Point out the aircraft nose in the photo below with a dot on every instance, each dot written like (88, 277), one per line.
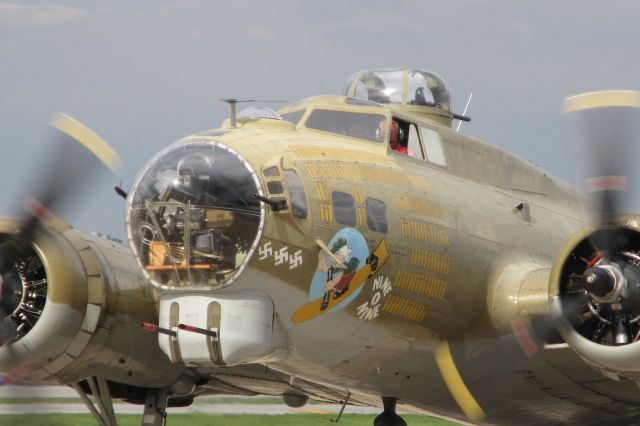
(192, 217)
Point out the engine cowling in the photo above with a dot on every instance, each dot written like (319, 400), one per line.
(594, 294)
(59, 306)
(72, 308)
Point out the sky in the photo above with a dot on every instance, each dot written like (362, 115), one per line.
(143, 74)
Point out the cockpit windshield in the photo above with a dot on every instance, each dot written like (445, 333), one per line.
(353, 124)
(423, 88)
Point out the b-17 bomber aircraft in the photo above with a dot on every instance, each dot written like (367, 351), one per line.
(353, 249)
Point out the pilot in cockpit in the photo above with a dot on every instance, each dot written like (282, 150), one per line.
(396, 141)
(395, 137)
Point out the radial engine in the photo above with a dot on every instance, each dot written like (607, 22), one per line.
(71, 307)
(595, 297)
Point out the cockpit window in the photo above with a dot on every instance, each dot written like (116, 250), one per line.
(293, 117)
(296, 194)
(352, 124)
(433, 145)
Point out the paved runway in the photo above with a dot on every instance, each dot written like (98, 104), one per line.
(208, 406)
(267, 409)
(13, 391)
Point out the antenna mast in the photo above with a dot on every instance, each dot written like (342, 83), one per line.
(465, 111)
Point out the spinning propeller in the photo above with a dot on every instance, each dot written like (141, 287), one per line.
(76, 155)
(600, 284)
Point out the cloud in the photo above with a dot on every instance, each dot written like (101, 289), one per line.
(21, 15)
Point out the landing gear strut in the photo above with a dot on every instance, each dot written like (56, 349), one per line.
(389, 417)
(155, 407)
(99, 387)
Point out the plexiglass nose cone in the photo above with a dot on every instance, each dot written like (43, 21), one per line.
(192, 219)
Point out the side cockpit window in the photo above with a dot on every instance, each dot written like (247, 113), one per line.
(344, 208)
(377, 215)
(433, 145)
(296, 194)
(274, 187)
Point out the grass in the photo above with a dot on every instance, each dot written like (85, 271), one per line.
(213, 420)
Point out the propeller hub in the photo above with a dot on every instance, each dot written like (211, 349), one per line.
(604, 283)
(598, 281)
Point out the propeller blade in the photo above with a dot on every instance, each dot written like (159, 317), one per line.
(606, 122)
(75, 155)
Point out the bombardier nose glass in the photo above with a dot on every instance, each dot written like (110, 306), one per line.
(192, 220)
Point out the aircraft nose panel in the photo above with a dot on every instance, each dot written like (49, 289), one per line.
(192, 219)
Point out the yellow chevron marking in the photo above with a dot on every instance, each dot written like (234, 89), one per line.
(406, 308)
(362, 216)
(338, 154)
(429, 260)
(429, 286)
(424, 231)
(358, 173)
(418, 205)
(357, 194)
(418, 182)
(321, 191)
(326, 213)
